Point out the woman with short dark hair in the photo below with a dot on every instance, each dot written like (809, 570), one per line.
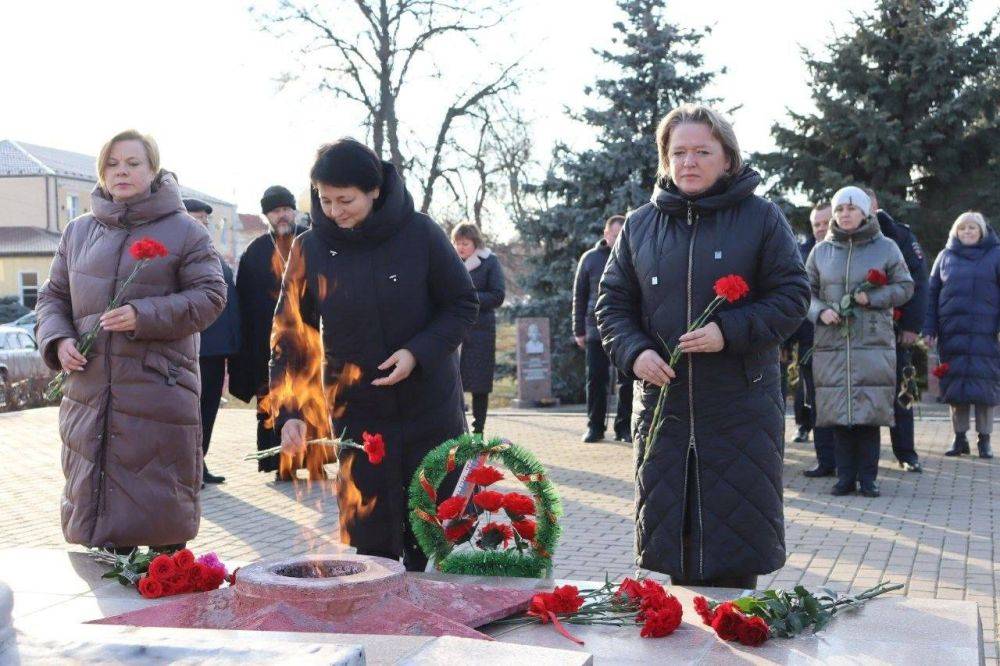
(480, 344)
(393, 302)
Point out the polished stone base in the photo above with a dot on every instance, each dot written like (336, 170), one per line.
(67, 591)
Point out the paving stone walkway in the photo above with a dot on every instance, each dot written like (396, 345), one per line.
(934, 532)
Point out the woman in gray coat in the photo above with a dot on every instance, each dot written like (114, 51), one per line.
(854, 353)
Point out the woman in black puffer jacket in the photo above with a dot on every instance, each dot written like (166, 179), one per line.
(708, 497)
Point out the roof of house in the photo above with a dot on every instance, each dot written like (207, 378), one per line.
(24, 159)
(20, 241)
(251, 222)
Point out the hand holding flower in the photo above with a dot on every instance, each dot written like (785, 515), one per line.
(829, 317)
(69, 358)
(120, 319)
(861, 298)
(650, 367)
(707, 339)
(293, 437)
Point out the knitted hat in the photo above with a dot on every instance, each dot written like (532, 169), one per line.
(852, 195)
(196, 205)
(274, 197)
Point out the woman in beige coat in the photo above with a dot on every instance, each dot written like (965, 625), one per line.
(854, 361)
(129, 418)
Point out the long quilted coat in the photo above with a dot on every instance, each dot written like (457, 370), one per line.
(479, 348)
(964, 313)
(130, 422)
(717, 462)
(855, 375)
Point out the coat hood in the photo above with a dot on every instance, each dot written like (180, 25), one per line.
(974, 251)
(726, 193)
(163, 199)
(392, 210)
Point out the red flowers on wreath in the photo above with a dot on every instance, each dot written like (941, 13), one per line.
(451, 508)
(526, 528)
(458, 531)
(374, 446)
(147, 248)
(517, 505)
(941, 370)
(731, 287)
(494, 534)
(877, 278)
(488, 500)
(484, 476)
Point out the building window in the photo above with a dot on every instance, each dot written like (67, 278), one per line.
(28, 285)
(72, 206)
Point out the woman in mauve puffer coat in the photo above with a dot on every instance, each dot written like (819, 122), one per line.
(854, 364)
(130, 417)
(963, 318)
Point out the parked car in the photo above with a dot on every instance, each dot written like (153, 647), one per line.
(23, 374)
(26, 323)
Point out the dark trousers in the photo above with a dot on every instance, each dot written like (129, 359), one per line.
(598, 377)
(480, 403)
(901, 434)
(824, 441)
(266, 438)
(213, 374)
(857, 451)
(823, 437)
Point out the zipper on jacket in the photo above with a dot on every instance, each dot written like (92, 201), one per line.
(692, 441)
(847, 283)
(101, 452)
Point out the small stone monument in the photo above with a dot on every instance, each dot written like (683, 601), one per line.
(534, 363)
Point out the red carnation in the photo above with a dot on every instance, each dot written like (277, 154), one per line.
(941, 370)
(183, 559)
(629, 588)
(897, 314)
(516, 504)
(541, 605)
(877, 278)
(727, 621)
(704, 609)
(488, 500)
(375, 447)
(526, 528)
(566, 599)
(147, 248)
(150, 588)
(496, 533)
(664, 621)
(458, 530)
(162, 567)
(754, 631)
(450, 508)
(484, 476)
(731, 287)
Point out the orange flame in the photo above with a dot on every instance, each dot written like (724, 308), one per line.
(353, 505)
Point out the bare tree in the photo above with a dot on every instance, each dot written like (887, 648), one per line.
(374, 48)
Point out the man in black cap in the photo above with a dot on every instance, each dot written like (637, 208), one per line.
(258, 282)
(218, 342)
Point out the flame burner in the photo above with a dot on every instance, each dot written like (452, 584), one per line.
(339, 593)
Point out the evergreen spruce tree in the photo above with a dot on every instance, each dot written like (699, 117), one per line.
(660, 67)
(906, 104)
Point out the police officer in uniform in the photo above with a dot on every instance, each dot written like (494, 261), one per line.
(908, 326)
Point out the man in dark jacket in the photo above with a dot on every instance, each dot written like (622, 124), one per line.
(219, 341)
(258, 282)
(587, 338)
(805, 393)
(908, 325)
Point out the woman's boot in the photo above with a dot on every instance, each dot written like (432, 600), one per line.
(984, 446)
(960, 446)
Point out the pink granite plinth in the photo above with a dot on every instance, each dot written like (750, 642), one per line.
(340, 593)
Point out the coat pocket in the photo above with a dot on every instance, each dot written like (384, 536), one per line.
(172, 371)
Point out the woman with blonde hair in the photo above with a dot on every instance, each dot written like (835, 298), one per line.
(478, 351)
(963, 319)
(708, 498)
(130, 416)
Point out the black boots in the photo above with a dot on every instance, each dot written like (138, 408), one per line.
(802, 436)
(592, 435)
(984, 446)
(818, 472)
(959, 447)
(208, 477)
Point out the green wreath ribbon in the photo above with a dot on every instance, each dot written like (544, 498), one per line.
(536, 562)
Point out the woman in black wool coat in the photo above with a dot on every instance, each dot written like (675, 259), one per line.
(479, 348)
(708, 497)
(391, 297)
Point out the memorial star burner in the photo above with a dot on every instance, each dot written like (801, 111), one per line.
(336, 593)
